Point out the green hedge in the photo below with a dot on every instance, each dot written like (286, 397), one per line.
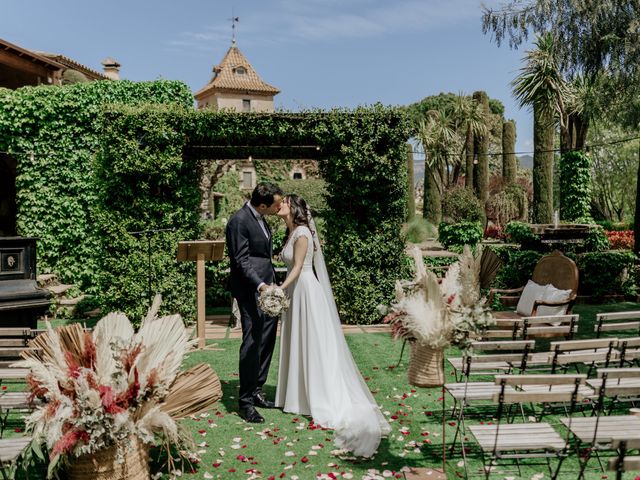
(53, 132)
(601, 273)
(456, 235)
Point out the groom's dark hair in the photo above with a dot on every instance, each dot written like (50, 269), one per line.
(264, 193)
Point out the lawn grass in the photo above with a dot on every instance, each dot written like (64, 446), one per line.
(286, 447)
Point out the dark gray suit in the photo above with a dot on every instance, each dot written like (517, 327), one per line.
(250, 253)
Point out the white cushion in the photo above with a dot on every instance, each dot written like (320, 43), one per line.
(532, 292)
(553, 294)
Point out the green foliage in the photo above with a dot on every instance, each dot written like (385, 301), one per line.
(519, 232)
(438, 264)
(606, 273)
(313, 190)
(575, 187)
(596, 240)
(507, 205)
(419, 229)
(459, 234)
(145, 185)
(54, 135)
(517, 269)
(461, 205)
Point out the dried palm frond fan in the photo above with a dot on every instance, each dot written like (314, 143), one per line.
(192, 392)
(489, 266)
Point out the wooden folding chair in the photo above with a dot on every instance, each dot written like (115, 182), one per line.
(514, 354)
(517, 441)
(617, 322)
(597, 432)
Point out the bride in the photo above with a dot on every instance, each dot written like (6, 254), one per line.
(317, 375)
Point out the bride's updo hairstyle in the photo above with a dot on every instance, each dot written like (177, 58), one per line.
(299, 211)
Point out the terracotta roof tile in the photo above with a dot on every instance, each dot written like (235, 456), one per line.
(226, 77)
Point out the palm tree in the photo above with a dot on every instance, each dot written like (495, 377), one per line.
(541, 86)
(471, 121)
(438, 137)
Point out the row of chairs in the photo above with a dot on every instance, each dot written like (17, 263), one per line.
(508, 439)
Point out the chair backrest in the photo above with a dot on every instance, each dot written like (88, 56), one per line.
(558, 270)
(550, 326)
(617, 322)
(550, 395)
(618, 382)
(511, 351)
(597, 350)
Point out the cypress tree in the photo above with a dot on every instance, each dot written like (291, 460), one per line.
(509, 159)
(481, 150)
(411, 194)
(543, 136)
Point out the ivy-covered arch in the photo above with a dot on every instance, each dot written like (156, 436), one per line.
(362, 158)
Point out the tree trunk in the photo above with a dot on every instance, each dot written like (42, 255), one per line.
(509, 159)
(411, 194)
(432, 208)
(543, 135)
(481, 147)
(468, 146)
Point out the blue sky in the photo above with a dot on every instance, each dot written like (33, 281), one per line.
(319, 53)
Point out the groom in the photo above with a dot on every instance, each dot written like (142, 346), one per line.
(250, 249)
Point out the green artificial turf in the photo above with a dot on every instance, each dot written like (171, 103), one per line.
(287, 447)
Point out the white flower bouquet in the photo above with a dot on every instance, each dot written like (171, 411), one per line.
(273, 301)
(114, 387)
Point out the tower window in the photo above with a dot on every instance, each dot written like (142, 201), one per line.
(246, 105)
(297, 175)
(240, 71)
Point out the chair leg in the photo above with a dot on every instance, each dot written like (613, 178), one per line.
(557, 472)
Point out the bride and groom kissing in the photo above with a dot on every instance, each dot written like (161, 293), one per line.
(317, 375)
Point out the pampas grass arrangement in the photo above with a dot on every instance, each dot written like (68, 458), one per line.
(437, 313)
(114, 387)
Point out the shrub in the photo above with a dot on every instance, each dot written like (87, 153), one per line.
(461, 205)
(519, 232)
(459, 234)
(607, 273)
(494, 231)
(437, 264)
(518, 266)
(596, 240)
(419, 229)
(508, 205)
(621, 240)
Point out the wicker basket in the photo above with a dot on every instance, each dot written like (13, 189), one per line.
(103, 465)
(426, 367)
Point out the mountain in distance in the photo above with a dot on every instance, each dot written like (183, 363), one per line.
(524, 161)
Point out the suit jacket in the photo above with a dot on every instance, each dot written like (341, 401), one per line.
(250, 252)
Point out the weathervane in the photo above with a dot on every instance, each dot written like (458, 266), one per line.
(234, 20)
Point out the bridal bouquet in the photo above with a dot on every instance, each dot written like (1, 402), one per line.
(273, 301)
(438, 313)
(114, 388)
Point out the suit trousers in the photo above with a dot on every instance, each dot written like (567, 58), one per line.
(256, 351)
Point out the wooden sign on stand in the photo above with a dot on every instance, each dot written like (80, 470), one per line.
(200, 251)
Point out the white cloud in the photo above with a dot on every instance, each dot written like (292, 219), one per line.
(295, 20)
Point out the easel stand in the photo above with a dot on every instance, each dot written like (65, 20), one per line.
(200, 251)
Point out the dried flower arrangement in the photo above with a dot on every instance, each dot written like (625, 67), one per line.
(438, 313)
(114, 387)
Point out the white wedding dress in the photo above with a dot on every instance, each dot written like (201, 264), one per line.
(317, 375)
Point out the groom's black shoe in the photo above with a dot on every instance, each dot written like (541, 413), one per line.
(250, 414)
(259, 400)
